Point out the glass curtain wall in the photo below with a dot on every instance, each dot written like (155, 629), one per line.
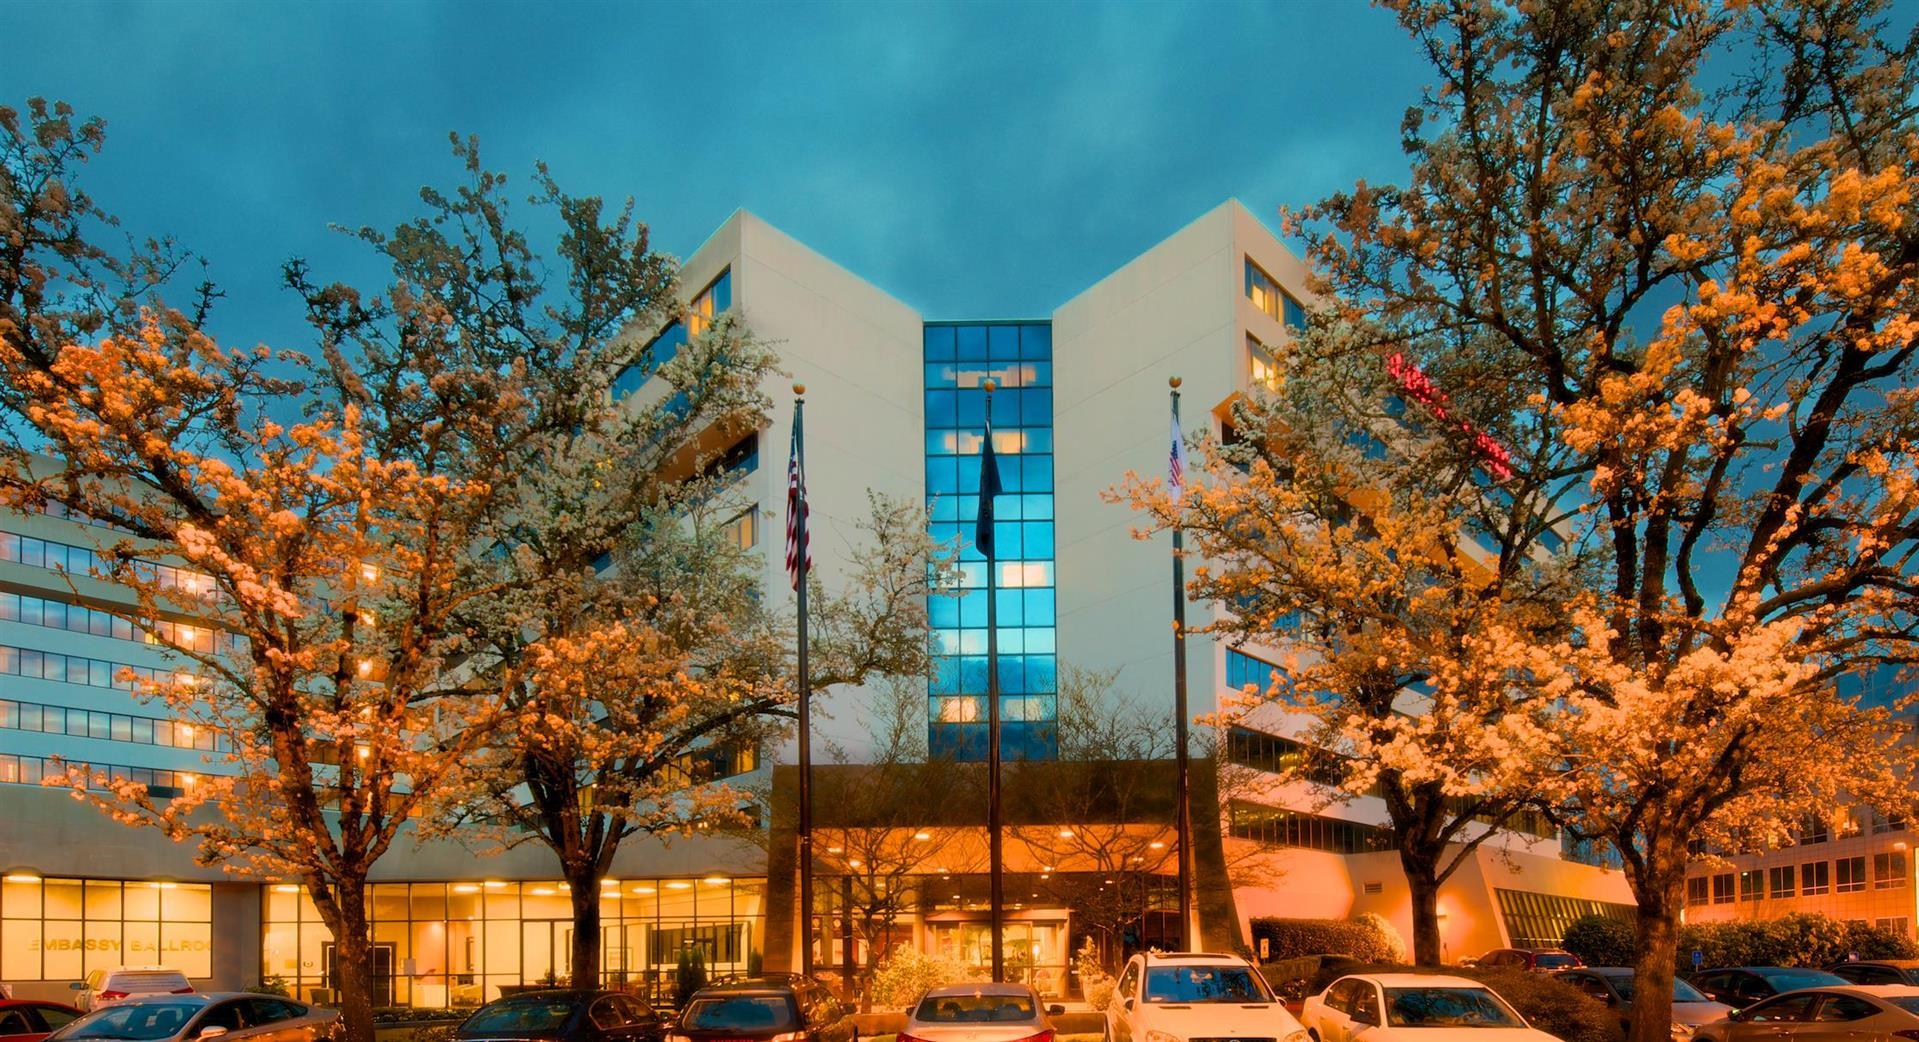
(455, 944)
(64, 929)
(959, 357)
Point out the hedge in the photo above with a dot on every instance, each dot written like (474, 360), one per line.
(1801, 939)
(1292, 938)
(1600, 940)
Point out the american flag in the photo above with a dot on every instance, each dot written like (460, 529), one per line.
(798, 547)
(1176, 464)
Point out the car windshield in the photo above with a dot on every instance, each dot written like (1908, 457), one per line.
(1205, 984)
(975, 1009)
(542, 1016)
(138, 1021)
(1554, 962)
(1681, 991)
(1447, 1008)
(1793, 980)
(738, 1013)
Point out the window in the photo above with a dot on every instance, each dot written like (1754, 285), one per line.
(1696, 890)
(1852, 875)
(1897, 924)
(1881, 823)
(1889, 870)
(1536, 920)
(1815, 831)
(1845, 1008)
(66, 929)
(743, 530)
(1752, 885)
(715, 299)
(1814, 877)
(1782, 881)
(1266, 295)
(1265, 371)
(1722, 889)
(1285, 828)
(1243, 670)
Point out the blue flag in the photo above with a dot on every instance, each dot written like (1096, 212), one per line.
(989, 487)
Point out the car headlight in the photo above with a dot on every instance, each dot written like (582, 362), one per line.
(1163, 1036)
(1682, 1032)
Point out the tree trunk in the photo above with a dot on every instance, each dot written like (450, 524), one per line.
(586, 928)
(1422, 881)
(342, 907)
(1660, 893)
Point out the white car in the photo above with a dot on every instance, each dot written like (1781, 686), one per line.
(103, 988)
(1183, 996)
(1413, 1007)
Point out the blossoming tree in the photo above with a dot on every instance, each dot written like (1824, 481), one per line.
(1698, 301)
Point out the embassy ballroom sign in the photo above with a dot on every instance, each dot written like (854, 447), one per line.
(172, 945)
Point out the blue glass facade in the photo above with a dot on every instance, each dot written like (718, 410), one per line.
(715, 299)
(1018, 356)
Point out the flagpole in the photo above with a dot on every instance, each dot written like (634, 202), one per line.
(797, 522)
(1182, 796)
(997, 884)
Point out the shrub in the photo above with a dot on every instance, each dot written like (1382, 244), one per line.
(1600, 940)
(1550, 1004)
(1095, 984)
(1396, 950)
(690, 978)
(905, 972)
(1292, 938)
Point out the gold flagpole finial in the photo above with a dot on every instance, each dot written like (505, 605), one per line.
(1173, 382)
(799, 388)
(989, 385)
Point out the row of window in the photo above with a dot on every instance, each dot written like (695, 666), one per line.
(1035, 506)
(31, 770)
(76, 669)
(81, 560)
(61, 929)
(1277, 826)
(714, 300)
(959, 475)
(1015, 606)
(1005, 375)
(1536, 920)
(59, 615)
(1264, 291)
(989, 343)
(114, 727)
(1005, 442)
(1843, 876)
(1012, 541)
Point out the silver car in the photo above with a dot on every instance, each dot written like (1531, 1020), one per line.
(229, 1016)
(979, 1013)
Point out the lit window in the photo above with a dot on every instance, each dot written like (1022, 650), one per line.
(743, 531)
(959, 710)
(1265, 370)
(1266, 295)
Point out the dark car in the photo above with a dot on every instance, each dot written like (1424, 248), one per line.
(1613, 985)
(1741, 986)
(30, 1020)
(565, 1015)
(1538, 960)
(789, 1009)
(1878, 971)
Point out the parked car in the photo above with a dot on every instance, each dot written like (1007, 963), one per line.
(1293, 979)
(1613, 985)
(1854, 1011)
(1413, 1007)
(1538, 960)
(1878, 971)
(980, 1013)
(1741, 986)
(791, 1009)
(565, 1015)
(180, 1018)
(106, 987)
(27, 1020)
(1180, 996)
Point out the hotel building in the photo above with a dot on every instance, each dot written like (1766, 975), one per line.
(896, 405)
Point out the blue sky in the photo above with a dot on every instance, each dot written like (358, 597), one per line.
(977, 160)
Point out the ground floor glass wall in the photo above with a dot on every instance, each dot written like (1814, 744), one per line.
(454, 944)
(64, 929)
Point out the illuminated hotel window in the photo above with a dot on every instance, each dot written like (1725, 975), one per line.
(1265, 371)
(1266, 295)
(463, 943)
(1018, 356)
(63, 929)
(714, 300)
(743, 531)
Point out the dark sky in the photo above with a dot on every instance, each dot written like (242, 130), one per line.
(977, 160)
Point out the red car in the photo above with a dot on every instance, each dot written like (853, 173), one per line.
(30, 1020)
(1537, 960)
